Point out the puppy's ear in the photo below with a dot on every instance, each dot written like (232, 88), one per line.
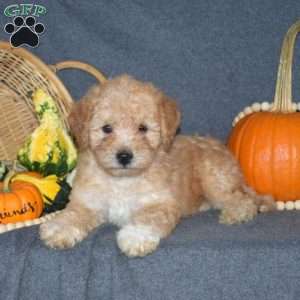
(170, 120)
(80, 116)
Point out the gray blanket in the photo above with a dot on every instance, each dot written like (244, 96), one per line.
(214, 57)
(201, 260)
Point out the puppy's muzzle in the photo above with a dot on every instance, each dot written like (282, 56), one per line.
(124, 157)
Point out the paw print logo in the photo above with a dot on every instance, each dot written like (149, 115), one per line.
(24, 32)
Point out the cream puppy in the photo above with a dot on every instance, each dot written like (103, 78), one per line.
(133, 171)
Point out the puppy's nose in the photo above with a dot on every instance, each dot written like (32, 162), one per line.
(124, 157)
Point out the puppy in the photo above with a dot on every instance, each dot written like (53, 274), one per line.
(134, 172)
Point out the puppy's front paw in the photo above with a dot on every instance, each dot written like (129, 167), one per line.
(59, 235)
(137, 240)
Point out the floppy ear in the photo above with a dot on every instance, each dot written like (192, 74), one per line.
(80, 116)
(170, 120)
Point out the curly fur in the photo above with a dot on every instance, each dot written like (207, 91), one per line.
(169, 177)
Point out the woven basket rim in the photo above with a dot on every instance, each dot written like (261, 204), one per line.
(43, 67)
(28, 223)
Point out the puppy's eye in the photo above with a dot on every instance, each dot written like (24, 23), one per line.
(107, 129)
(143, 128)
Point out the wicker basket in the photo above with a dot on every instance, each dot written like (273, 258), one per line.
(21, 73)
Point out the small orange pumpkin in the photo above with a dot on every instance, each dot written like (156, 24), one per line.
(267, 142)
(19, 201)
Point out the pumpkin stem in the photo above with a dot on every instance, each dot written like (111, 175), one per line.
(283, 94)
(8, 177)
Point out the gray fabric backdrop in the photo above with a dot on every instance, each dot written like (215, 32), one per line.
(214, 57)
(202, 260)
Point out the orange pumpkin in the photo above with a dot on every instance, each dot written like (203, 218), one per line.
(267, 143)
(19, 201)
(267, 146)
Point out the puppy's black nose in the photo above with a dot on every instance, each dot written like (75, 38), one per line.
(124, 157)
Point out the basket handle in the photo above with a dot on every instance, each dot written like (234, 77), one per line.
(283, 101)
(74, 64)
